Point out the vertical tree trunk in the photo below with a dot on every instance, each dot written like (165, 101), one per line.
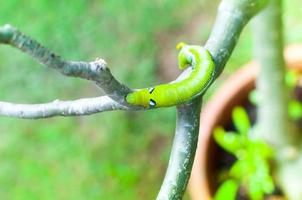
(273, 121)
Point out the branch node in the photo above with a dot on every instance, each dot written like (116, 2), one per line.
(6, 33)
(98, 66)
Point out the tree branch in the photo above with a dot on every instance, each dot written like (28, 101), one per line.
(231, 18)
(183, 151)
(86, 106)
(273, 123)
(96, 71)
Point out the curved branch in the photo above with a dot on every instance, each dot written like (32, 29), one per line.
(86, 106)
(96, 71)
(231, 18)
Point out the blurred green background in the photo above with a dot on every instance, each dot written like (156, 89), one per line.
(114, 155)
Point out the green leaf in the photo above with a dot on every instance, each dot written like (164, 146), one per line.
(259, 184)
(295, 110)
(227, 191)
(241, 120)
(260, 149)
(240, 169)
(291, 78)
(254, 191)
(229, 141)
(253, 171)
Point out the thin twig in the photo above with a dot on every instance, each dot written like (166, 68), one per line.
(86, 106)
(96, 71)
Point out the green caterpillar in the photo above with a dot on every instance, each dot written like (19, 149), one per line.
(179, 92)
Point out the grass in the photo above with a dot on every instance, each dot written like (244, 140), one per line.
(115, 155)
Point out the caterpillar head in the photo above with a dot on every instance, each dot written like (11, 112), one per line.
(184, 56)
(142, 97)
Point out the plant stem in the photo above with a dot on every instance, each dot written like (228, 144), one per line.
(183, 151)
(273, 96)
(273, 120)
(231, 18)
(96, 71)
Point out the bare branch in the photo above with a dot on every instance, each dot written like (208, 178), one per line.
(86, 106)
(96, 71)
(183, 151)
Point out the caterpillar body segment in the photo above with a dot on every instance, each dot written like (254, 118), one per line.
(165, 95)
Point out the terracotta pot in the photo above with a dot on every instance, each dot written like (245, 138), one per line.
(218, 112)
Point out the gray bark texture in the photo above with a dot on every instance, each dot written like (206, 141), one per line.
(273, 124)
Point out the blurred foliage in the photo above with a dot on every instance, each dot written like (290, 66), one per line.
(115, 155)
(227, 190)
(293, 84)
(251, 170)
